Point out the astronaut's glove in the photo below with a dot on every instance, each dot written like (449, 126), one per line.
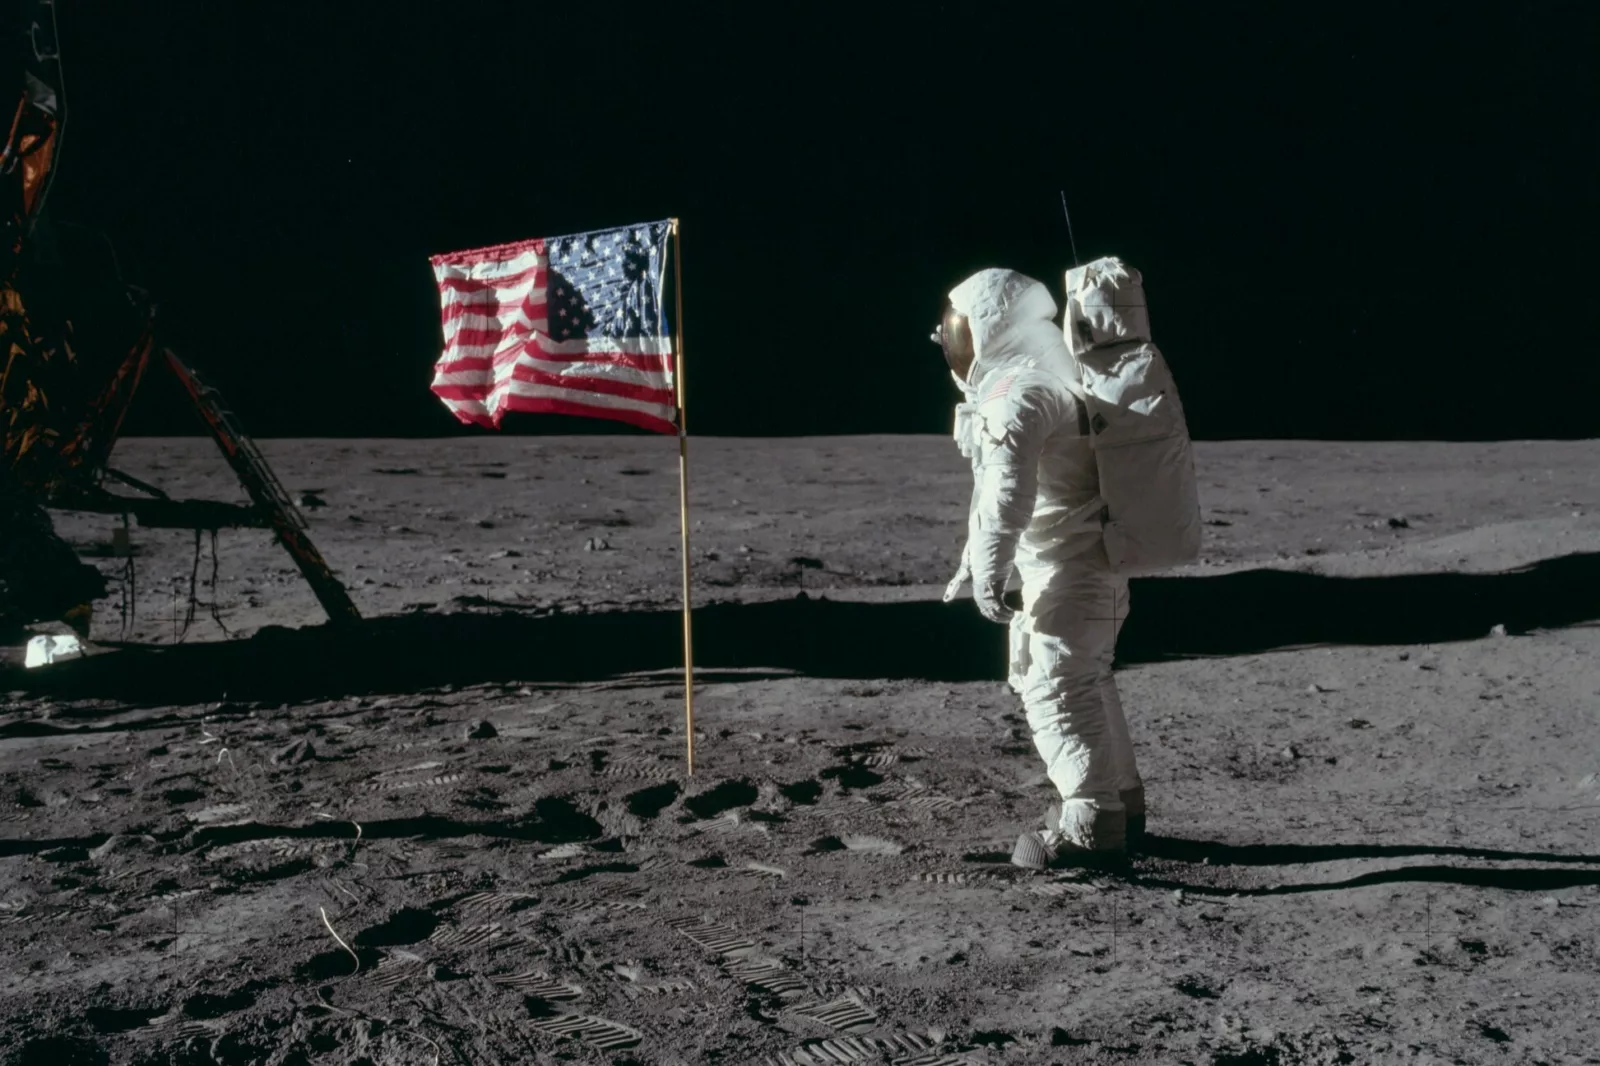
(963, 575)
(989, 594)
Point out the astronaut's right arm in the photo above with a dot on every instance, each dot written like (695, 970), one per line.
(1012, 428)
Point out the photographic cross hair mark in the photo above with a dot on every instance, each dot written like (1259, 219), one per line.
(1427, 909)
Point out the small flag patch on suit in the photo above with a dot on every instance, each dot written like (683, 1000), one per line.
(1000, 388)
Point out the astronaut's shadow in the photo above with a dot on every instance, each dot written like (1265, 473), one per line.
(1520, 879)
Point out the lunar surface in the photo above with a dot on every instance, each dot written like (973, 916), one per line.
(463, 832)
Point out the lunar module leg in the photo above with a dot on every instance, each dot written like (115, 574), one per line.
(267, 494)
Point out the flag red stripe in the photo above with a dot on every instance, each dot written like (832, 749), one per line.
(461, 364)
(467, 409)
(626, 389)
(478, 393)
(475, 286)
(531, 307)
(467, 364)
(660, 364)
(473, 338)
(475, 418)
(497, 251)
(544, 405)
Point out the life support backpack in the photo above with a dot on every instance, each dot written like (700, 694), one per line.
(1151, 513)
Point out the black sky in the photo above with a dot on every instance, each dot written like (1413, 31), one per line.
(1354, 220)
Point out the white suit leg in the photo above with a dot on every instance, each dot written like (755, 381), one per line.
(1127, 769)
(1070, 695)
(1129, 783)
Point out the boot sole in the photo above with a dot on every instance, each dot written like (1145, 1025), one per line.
(1030, 853)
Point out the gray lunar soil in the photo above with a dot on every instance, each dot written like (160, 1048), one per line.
(462, 832)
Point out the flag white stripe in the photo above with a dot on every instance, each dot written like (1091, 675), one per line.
(488, 270)
(453, 328)
(630, 346)
(595, 346)
(529, 390)
(608, 371)
(528, 286)
(576, 373)
(468, 407)
(501, 344)
(464, 378)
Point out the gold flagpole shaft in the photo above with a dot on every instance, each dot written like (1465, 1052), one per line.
(683, 494)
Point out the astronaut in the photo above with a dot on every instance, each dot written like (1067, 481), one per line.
(1035, 522)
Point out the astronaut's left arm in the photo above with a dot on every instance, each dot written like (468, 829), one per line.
(1011, 431)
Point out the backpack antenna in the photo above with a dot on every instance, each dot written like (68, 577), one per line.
(1070, 237)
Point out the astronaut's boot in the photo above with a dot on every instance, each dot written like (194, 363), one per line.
(1077, 834)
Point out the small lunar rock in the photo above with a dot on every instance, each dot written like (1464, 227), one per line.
(1290, 753)
(113, 845)
(295, 754)
(872, 845)
(1498, 631)
(1314, 688)
(484, 523)
(596, 544)
(1360, 723)
(1399, 522)
(310, 499)
(222, 814)
(481, 730)
(508, 553)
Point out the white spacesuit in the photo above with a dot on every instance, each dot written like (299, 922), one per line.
(1036, 512)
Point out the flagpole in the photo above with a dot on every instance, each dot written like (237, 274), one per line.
(683, 494)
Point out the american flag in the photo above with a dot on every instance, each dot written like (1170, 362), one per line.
(569, 325)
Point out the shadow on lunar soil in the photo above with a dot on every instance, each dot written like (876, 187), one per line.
(1172, 618)
(1519, 880)
(561, 824)
(1219, 854)
(552, 820)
